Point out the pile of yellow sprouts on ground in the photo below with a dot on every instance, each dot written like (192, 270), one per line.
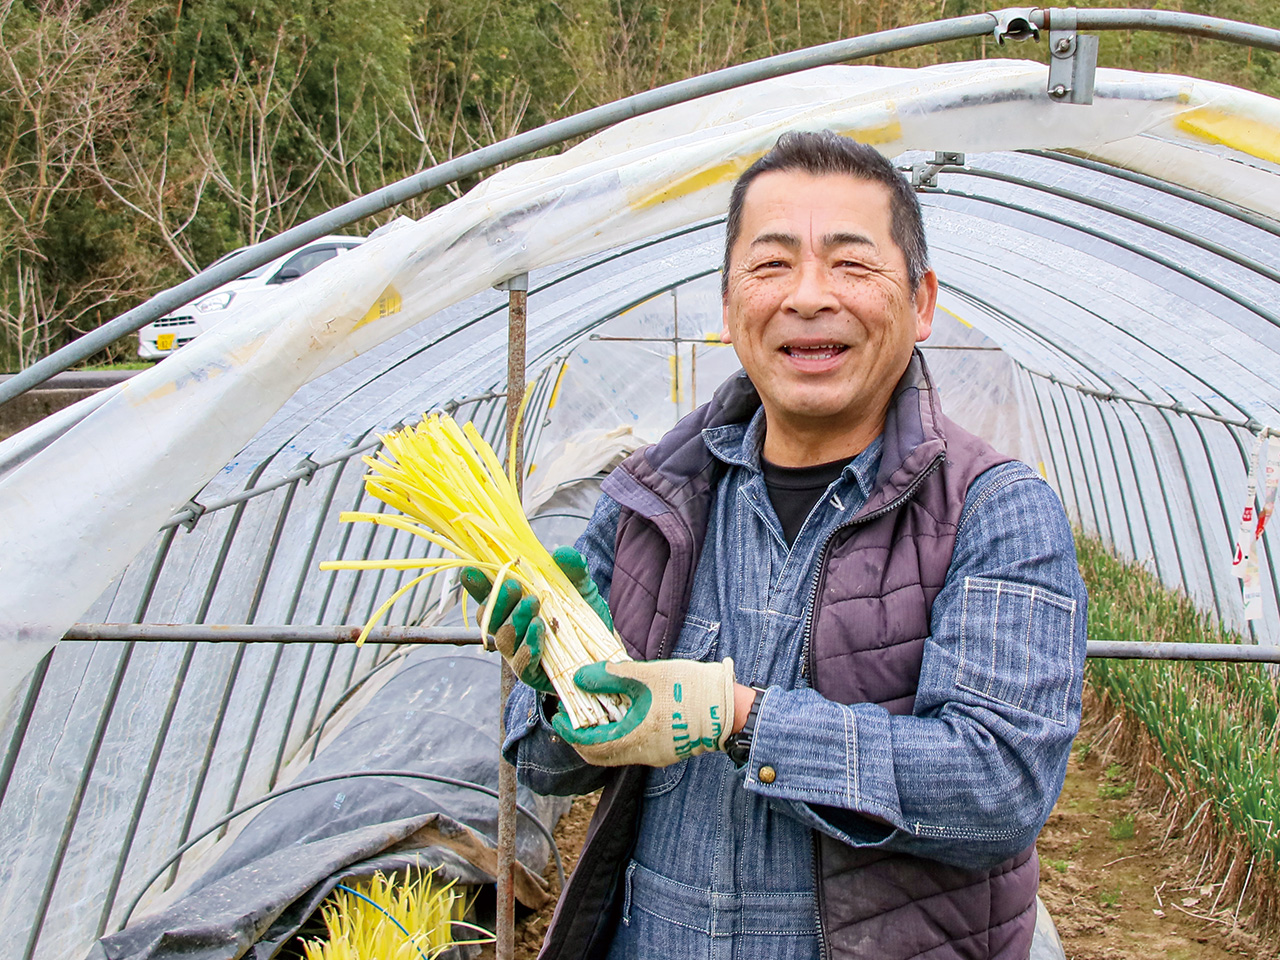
(387, 920)
(452, 491)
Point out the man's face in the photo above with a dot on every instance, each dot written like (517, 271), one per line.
(819, 307)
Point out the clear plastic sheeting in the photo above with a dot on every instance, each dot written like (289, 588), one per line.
(1106, 314)
(249, 893)
(641, 178)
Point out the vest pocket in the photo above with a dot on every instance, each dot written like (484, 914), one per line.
(1017, 646)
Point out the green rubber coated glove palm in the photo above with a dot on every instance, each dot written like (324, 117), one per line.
(517, 630)
(574, 566)
(679, 709)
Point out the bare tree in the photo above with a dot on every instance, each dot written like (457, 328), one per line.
(239, 138)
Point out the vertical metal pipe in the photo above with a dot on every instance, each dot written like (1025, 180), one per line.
(675, 350)
(506, 916)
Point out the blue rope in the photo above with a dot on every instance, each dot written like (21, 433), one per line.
(407, 934)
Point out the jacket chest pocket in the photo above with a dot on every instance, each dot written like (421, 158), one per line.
(1017, 646)
(699, 640)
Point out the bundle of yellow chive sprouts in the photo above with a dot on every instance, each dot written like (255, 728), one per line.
(387, 920)
(453, 492)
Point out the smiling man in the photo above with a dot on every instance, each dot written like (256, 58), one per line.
(858, 630)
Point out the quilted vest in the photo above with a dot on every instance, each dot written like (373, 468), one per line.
(880, 573)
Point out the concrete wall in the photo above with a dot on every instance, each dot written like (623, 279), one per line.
(51, 396)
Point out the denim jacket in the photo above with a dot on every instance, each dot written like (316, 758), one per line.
(967, 779)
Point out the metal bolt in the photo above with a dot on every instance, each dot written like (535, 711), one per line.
(1063, 45)
(1059, 91)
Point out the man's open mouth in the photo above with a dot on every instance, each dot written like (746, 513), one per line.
(823, 351)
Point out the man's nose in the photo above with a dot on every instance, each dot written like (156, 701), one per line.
(812, 293)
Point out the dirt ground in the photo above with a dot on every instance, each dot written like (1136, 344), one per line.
(1115, 888)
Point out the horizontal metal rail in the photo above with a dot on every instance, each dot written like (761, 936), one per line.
(462, 636)
(1151, 650)
(189, 514)
(1251, 424)
(263, 633)
(597, 118)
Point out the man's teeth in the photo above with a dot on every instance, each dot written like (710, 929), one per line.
(823, 351)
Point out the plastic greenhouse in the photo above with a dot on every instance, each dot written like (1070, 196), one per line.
(1110, 313)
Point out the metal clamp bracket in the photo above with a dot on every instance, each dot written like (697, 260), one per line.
(1073, 59)
(194, 511)
(1015, 23)
(519, 282)
(926, 174)
(306, 469)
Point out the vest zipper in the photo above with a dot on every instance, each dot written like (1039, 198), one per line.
(806, 668)
(823, 951)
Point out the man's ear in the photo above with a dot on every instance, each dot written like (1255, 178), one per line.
(925, 301)
(725, 336)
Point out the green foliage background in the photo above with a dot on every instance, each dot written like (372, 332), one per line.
(144, 141)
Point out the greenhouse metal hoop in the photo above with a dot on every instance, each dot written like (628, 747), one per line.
(1013, 23)
(408, 774)
(557, 132)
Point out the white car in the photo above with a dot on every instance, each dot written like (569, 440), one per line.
(174, 330)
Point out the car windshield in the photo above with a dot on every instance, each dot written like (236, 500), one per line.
(304, 262)
(255, 272)
(308, 259)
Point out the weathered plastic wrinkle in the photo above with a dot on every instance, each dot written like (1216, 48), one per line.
(1163, 261)
(1173, 189)
(23, 720)
(60, 852)
(144, 789)
(1249, 263)
(302, 784)
(1067, 352)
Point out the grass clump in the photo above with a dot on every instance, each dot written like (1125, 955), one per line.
(1204, 736)
(1122, 829)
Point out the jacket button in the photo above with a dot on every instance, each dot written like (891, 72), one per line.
(767, 775)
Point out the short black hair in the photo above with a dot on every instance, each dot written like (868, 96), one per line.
(825, 152)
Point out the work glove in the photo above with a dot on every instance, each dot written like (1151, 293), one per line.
(679, 709)
(517, 630)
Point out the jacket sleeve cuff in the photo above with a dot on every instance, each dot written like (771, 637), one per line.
(843, 759)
